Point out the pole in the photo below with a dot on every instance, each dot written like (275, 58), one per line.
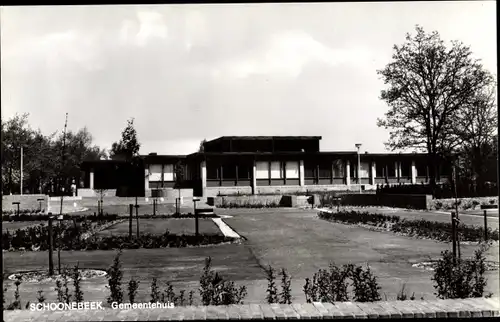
(21, 188)
(51, 262)
(485, 227)
(456, 208)
(131, 211)
(453, 236)
(137, 216)
(359, 171)
(195, 219)
(59, 249)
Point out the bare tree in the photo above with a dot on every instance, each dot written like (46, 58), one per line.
(428, 84)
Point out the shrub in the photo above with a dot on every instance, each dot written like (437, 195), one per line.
(461, 279)
(216, 290)
(40, 296)
(286, 290)
(332, 285)
(133, 285)
(328, 285)
(77, 278)
(16, 305)
(272, 290)
(180, 300)
(191, 294)
(115, 275)
(155, 291)
(366, 288)
(168, 295)
(441, 231)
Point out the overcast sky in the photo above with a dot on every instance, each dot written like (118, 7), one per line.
(188, 72)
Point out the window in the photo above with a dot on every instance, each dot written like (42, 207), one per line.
(212, 171)
(421, 169)
(364, 169)
(155, 172)
(292, 169)
(229, 171)
(405, 168)
(276, 170)
(309, 170)
(325, 170)
(168, 172)
(244, 171)
(391, 169)
(380, 169)
(262, 169)
(338, 168)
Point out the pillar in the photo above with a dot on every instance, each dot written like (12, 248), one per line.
(146, 179)
(413, 172)
(254, 179)
(348, 173)
(396, 168)
(373, 172)
(91, 179)
(301, 173)
(203, 172)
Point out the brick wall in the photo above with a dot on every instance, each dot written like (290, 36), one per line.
(389, 200)
(477, 307)
(27, 202)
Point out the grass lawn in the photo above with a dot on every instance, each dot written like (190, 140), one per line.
(164, 208)
(176, 226)
(294, 239)
(181, 266)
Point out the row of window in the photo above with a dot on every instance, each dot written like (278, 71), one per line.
(290, 170)
(155, 172)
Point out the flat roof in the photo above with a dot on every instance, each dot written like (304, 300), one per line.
(223, 138)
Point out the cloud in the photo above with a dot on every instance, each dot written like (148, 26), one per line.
(196, 29)
(55, 49)
(287, 54)
(147, 25)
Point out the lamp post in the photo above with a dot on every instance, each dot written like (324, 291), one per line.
(21, 182)
(358, 145)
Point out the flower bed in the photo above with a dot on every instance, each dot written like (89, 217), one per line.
(150, 241)
(44, 277)
(84, 238)
(420, 228)
(169, 216)
(65, 232)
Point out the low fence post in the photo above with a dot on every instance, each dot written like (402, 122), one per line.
(485, 226)
(131, 211)
(51, 260)
(453, 236)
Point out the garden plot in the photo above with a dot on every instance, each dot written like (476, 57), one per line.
(177, 226)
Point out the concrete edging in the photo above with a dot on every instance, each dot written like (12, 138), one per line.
(474, 307)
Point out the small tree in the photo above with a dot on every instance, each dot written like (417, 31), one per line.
(101, 193)
(115, 275)
(133, 285)
(201, 149)
(128, 146)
